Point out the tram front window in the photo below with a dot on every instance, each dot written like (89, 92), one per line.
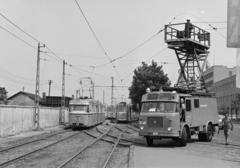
(80, 108)
(162, 107)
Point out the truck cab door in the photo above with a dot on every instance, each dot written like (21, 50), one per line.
(189, 111)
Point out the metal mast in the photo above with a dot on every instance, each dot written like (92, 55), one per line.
(191, 45)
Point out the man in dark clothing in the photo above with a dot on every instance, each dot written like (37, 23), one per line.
(188, 29)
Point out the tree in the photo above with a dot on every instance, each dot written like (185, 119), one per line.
(147, 76)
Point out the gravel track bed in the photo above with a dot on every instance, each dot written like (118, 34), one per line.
(18, 141)
(54, 155)
(119, 158)
(93, 157)
(13, 153)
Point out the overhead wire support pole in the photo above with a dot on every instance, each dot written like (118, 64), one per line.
(36, 111)
(62, 110)
(49, 88)
(112, 90)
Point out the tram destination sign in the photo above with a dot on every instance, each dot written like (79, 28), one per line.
(233, 24)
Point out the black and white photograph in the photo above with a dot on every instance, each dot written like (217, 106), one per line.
(119, 83)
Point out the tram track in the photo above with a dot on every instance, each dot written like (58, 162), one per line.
(29, 142)
(122, 139)
(83, 149)
(112, 151)
(81, 156)
(11, 161)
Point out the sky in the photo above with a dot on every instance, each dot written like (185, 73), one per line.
(120, 26)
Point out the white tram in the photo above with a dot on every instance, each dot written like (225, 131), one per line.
(85, 113)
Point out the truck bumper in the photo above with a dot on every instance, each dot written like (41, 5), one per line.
(158, 134)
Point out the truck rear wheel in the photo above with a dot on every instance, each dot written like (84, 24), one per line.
(184, 137)
(149, 141)
(206, 137)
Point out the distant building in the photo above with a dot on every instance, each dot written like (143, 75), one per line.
(55, 101)
(217, 73)
(23, 99)
(3, 95)
(228, 96)
(28, 99)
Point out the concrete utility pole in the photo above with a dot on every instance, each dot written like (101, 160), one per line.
(49, 88)
(103, 96)
(63, 95)
(76, 94)
(36, 111)
(112, 90)
(92, 89)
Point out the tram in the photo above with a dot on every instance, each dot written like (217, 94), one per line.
(85, 113)
(111, 112)
(125, 113)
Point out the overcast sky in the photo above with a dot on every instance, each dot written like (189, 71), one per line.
(120, 26)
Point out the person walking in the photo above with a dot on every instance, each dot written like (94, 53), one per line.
(227, 125)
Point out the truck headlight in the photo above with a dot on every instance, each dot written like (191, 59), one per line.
(141, 128)
(169, 128)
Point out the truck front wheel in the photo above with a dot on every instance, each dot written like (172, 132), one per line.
(149, 141)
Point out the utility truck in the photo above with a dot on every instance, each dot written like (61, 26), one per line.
(178, 114)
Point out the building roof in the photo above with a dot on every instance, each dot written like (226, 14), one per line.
(30, 95)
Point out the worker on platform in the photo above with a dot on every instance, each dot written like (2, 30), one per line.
(188, 29)
(227, 125)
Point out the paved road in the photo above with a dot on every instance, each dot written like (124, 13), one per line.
(195, 155)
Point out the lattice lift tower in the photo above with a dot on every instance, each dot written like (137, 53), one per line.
(191, 45)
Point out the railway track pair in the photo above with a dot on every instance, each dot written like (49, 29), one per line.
(97, 139)
(11, 161)
(4, 149)
(116, 141)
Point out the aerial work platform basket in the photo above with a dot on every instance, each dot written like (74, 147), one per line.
(191, 45)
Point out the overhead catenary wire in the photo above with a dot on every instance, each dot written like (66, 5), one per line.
(17, 37)
(29, 35)
(91, 29)
(209, 24)
(97, 39)
(137, 46)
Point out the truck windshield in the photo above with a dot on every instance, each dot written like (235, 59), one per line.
(79, 108)
(163, 107)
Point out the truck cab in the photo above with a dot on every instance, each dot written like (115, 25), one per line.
(168, 114)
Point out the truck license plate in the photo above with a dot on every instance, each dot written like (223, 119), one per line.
(155, 133)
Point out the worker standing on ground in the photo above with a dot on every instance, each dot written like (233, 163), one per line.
(227, 125)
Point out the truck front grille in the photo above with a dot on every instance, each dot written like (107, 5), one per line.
(155, 122)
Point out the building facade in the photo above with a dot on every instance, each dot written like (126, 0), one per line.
(23, 99)
(217, 73)
(228, 96)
